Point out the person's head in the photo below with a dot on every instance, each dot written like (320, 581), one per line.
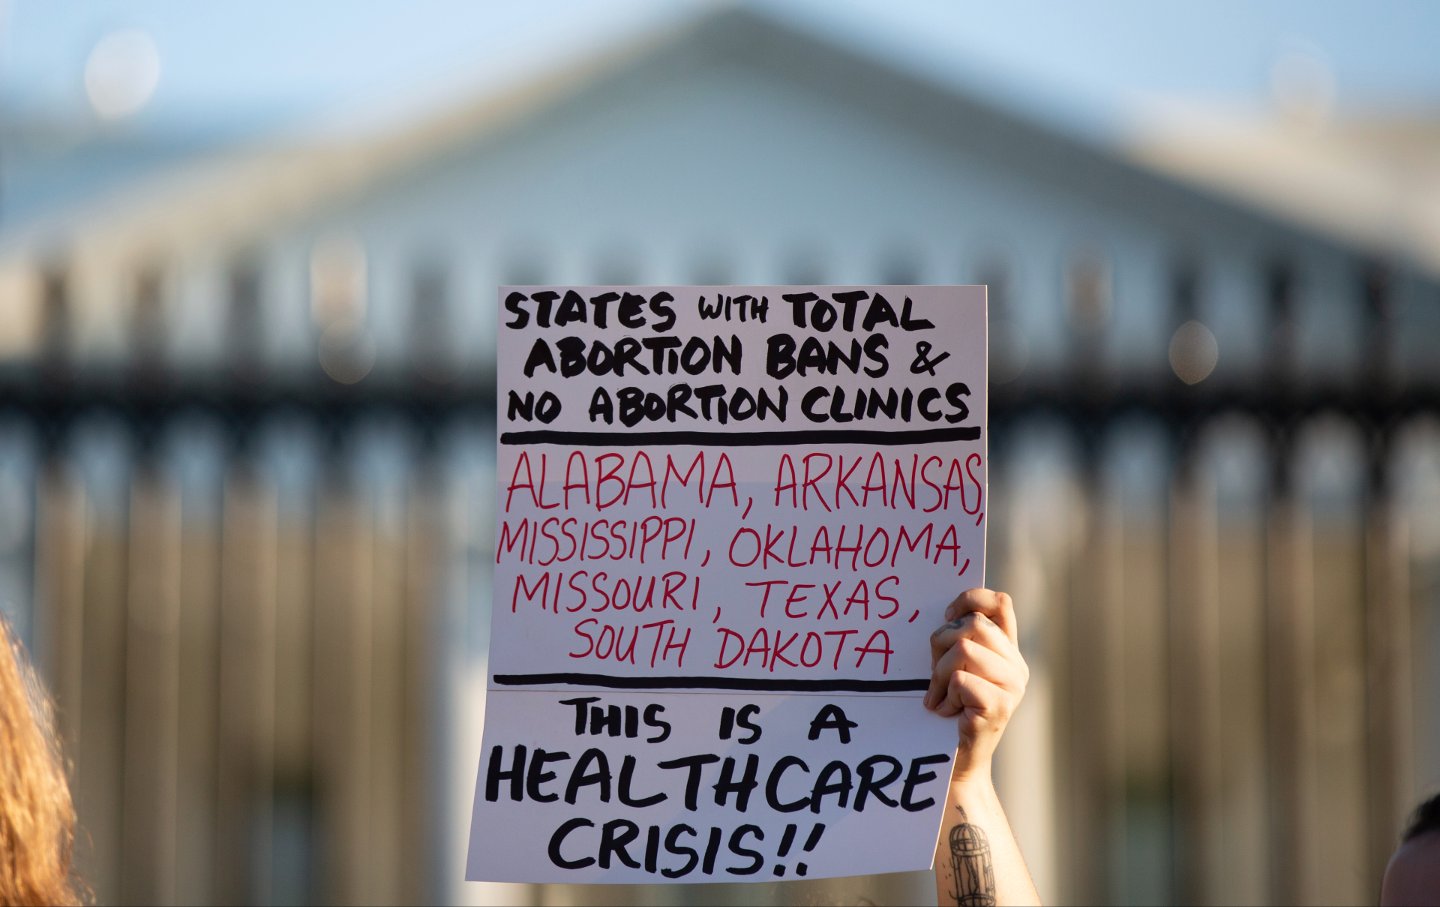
(37, 820)
(1413, 876)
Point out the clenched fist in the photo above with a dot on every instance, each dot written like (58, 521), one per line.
(977, 674)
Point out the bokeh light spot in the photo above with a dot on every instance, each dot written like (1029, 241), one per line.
(121, 73)
(1193, 352)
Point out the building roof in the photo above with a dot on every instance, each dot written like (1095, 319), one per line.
(1372, 181)
(239, 194)
(236, 191)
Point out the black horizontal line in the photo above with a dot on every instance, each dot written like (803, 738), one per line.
(758, 684)
(622, 438)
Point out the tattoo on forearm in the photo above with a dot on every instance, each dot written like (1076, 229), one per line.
(970, 860)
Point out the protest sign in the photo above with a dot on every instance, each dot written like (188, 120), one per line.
(729, 519)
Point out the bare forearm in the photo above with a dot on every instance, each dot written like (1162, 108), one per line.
(978, 860)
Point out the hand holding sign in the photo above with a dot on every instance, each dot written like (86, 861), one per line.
(978, 675)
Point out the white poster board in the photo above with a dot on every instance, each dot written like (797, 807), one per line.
(729, 519)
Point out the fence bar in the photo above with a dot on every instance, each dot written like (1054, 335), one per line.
(198, 846)
(247, 692)
(387, 707)
(100, 755)
(1290, 686)
(420, 682)
(152, 693)
(1389, 700)
(343, 689)
(1086, 747)
(1198, 733)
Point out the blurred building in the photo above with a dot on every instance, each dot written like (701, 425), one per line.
(246, 436)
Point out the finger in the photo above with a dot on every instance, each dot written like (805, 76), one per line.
(973, 626)
(990, 653)
(988, 633)
(986, 663)
(944, 636)
(968, 692)
(969, 657)
(997, 606)
(941, 642)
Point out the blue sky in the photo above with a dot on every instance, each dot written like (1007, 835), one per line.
(269, 61)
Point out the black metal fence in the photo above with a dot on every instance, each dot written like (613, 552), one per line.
(245, 587)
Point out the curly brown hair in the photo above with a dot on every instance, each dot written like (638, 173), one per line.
(37, 819)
